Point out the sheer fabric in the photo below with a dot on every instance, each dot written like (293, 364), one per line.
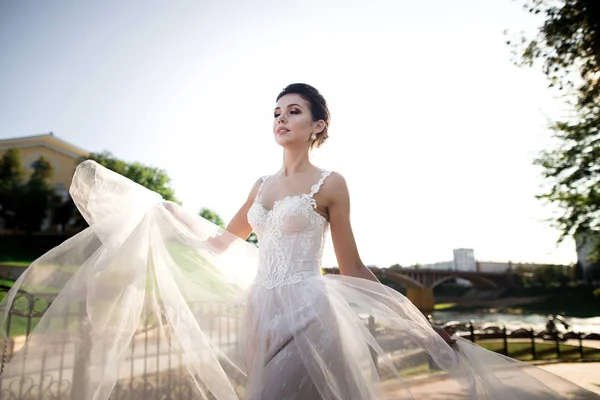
(149, 293)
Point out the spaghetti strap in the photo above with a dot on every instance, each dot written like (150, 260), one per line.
(317, 186)
(264, 179)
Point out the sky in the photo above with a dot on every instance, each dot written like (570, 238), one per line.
(433, 126)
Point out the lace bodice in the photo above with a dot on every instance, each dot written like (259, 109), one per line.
(291, 237)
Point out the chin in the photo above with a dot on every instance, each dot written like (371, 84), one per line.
(281, 141)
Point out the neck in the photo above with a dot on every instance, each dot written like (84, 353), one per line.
(295, 160)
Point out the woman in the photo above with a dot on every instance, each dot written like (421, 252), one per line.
(290, 211)
(135, 277)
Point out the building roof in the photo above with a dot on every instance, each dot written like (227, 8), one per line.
(45, 140)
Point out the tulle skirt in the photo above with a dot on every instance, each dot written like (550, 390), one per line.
(141, 305)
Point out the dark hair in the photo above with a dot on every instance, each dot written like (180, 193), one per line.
(318, 107)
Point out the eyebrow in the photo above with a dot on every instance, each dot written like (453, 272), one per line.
(290, 105)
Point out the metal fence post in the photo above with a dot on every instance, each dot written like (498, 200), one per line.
(533, 352)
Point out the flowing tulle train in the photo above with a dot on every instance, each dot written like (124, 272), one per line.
(143, 305)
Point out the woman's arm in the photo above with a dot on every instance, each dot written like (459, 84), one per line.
(346, 252)
(239, 225)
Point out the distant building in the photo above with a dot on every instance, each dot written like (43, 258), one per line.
(499, 267)
(440, 266)
(494, 266)
(63, 156)
(464, 260)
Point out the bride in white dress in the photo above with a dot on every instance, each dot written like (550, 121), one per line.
(147, 275)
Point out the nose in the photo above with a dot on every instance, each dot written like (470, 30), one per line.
(280, 118)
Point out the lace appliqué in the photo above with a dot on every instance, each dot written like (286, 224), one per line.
(292, 237)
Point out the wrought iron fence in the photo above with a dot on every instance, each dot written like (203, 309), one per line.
(536, 339)
(154, 369)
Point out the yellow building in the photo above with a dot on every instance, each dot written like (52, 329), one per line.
(63, 156)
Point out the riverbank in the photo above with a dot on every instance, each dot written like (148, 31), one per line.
(579, 302)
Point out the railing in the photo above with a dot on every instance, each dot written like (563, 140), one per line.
(537, 341)
(154, 368)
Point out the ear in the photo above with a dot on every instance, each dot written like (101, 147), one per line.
(320, 126)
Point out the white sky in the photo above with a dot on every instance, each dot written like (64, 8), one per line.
(433, 126)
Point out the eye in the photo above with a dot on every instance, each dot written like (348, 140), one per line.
(295, 112)
(276, 115)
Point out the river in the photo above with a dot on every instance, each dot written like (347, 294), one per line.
(512, 321)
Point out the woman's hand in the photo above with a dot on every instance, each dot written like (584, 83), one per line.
(179, 214)
(440, 331)
(171, 207)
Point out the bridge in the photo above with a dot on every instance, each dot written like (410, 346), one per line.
(419, 283)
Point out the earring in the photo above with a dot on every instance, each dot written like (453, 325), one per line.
(313, 137)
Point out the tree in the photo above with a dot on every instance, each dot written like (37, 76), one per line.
(152, 178)
(568, 45)
(216, 219)
(11, 177)
(578, 272)
(212, 216)
(547, 276)
(253, 239)
(36, 197)
(65, 212)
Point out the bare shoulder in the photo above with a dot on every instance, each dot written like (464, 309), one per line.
(335, 188)
(336, 181)
(254, 191)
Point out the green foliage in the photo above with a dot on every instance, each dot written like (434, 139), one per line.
(216, 219)
(64, 212)
(568, 46)
(253, 239)
(11, 177)
(24, 205)
(11, 172)
(36, 196)
(42, 171)
(212, 216)
(547, 276)
(578, 272)
(152, 178)
(593, 272)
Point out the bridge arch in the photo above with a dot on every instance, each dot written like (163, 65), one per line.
(478, 281)
(419, 284)
(397, 277)
(394, 276)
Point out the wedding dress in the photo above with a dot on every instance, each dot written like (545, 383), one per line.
(151, 304)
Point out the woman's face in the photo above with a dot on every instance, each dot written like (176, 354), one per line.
(293, 124)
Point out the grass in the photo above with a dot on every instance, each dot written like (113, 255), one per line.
(6, 282)
(22, 264)
(18, 326)
(544, 351)
(444, 306)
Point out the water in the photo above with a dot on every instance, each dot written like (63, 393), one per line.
(512, 321)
